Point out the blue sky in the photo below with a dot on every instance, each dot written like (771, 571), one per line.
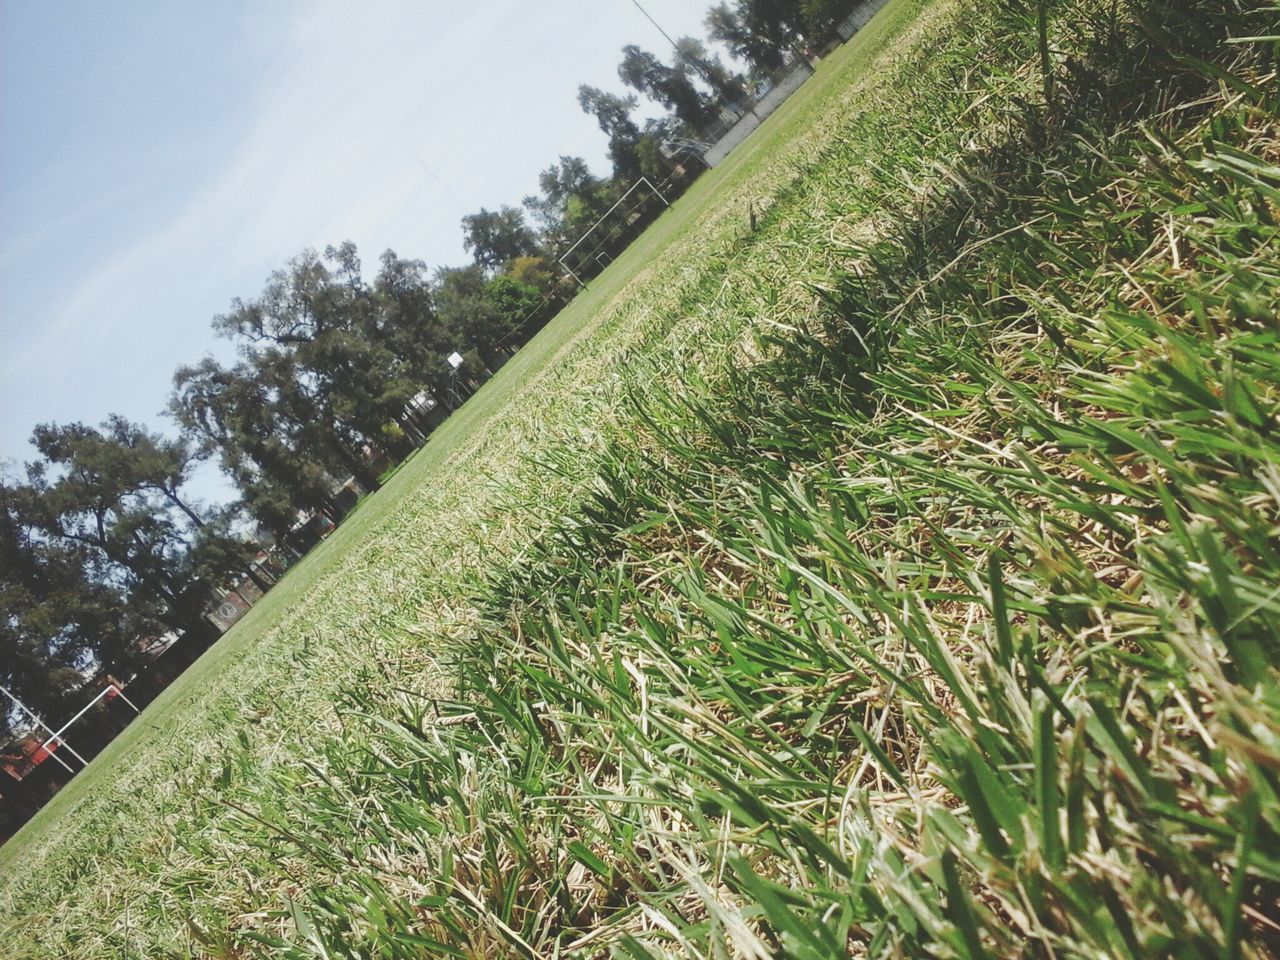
(157, 160)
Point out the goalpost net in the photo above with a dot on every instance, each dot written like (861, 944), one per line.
(610, 235)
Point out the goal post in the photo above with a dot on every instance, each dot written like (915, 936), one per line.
(40, 723)
(594, 248)
(109, 689)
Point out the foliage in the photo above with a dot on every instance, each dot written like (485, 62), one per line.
(515, 301)
(765, 33)
(613, 113)
(671, 86)
(535, 271)
(113, 493)
(495, 238)
(756, 32)
(235, 413)
(561, 182)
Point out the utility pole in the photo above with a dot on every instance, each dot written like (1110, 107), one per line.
(656, 24)
(25, 709)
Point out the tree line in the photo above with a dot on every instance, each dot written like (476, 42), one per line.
(103, 548)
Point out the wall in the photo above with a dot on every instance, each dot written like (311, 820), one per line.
(859, 18)
(749, 121)
(785, 87)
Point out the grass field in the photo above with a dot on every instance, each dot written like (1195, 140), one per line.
(389, 575)
(899, 579)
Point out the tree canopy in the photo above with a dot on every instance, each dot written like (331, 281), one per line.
(495, 238)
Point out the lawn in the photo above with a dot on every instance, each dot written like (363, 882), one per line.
(895, 576)
(82, 878)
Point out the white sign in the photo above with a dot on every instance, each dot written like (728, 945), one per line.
(455, 360)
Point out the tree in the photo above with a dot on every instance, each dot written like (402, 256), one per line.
(407, 321)
(57, 619)
(757, 31)
(234, 413)
(163, 465)
(307, 390)
(474, 324)
(408, 324)
(312, 336)
(160, 464)
(672, 87)
(569, 177)
(613, 114)
(114, 494)
(761, 31)
(330, 365)
(533, 271)
(515, 303)
(729, 87)
(495, 238)
(821, 15)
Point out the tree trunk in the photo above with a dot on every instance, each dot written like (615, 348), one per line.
(181, 505)
(202, 632)
(413, 428)
(368, 478)
(331, 511)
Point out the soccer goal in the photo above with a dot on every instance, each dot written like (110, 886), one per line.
(111, 691)
(609, 236)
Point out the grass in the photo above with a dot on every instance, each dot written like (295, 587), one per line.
(81, 879)
(898, 580)
(432, 465)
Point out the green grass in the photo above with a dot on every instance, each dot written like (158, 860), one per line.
(940, 620)
(897, 580)
(428, 466)
(391, 574)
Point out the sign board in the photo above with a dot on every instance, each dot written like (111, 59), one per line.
(455, 360)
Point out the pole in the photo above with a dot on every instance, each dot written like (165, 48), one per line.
(25, 709)
(648, 17)
(120, 693)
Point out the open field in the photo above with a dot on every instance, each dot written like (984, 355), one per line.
(897, 580)
(391, 574)
(454, 443)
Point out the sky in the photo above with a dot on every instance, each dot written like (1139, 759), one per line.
(159, 159)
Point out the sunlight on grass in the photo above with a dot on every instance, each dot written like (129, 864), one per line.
(897, 579)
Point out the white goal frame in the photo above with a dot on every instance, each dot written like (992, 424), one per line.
(643, 181)
(57, 734)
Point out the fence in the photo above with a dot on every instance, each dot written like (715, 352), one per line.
(860, 17)
(724, 138)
